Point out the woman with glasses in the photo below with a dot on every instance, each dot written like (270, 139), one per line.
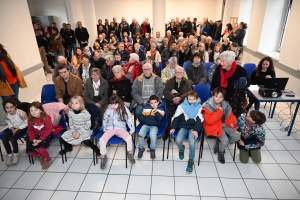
(202, 50)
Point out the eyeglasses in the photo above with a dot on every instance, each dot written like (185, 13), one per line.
(147, 69)
(178, 72)
(95, 74)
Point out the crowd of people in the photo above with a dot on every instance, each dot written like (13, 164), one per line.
(120, 75)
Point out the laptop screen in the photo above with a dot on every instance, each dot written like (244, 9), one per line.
(276, 83)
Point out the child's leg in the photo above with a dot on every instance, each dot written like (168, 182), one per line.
(256, 155)
(44, 153)
(103, 140)
(90, 144)
(34, 153)
(6, 144)
(66, 145)
(127, 137)
(180, 137)
(192, 144)
(142, 133)
(234, 135)
(223, 142)
(14, 139)
(244, 156)
(153, 137)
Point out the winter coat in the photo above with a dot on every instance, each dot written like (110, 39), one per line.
(201, 73)
(74, 86)
(150, 117)
(122, 87)
(136, 69)
(89, 92)
(112, 121)
(166, 74)
(214, 118)
(185, 87)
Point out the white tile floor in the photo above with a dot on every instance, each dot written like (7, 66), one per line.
(277, 177)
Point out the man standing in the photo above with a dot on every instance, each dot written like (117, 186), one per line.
(41, 44)
(69, 37)
(217, 30)
(67, 85)
(82, 35)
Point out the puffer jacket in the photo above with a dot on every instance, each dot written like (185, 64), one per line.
(214, 118)
(112, 121)
(150, 117)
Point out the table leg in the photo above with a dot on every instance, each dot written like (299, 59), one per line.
(257, 106)
(293, 120)
(273, 109)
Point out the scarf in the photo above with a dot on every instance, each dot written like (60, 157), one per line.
(119, 79)
(145, 27)
(191, 109)
(153, 53)
(9, 64)
(227, 75)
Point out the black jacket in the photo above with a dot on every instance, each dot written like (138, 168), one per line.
(217, 33)
(184, 56)
(141, 55)
(212, 46)
(166, 54)
(201, 73)
(67, 36)
(260, 79)
(122, 87)
(239, 38)
(80, 70)
(99, 63)
(216, 80)
(124, 55)
(82, 34)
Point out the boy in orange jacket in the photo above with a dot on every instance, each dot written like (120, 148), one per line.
(219, 121)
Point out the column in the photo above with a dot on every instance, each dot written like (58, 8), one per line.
(159, 16)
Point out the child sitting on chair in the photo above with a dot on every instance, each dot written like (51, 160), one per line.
(151, 118)
(252, 135)
(188, 119)
(219, 121)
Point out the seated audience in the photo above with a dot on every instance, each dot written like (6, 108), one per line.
(158, 39)
(96, 60)
(155, 65)
(236, 50)
(214, 55)
(253, 136)
(129, 49)
(196, 70)
(87, 52)
(143, 87)
(101, 40)
(120, 50)
(203, 52)
(62, 60)
(164, 45)
(77, 58)
(126, 42)
(185, 53)
(66, 84)
(132, 69)
(139, 52)
(154, 53)
(97, 47)
(95, 89)
(120, 85)
(118, 60)
(105, 51)
(169, 52)
(194, 47)
(107, 73)
(209, 46)
(138, 39)
(84, 71)
(225, 45)
(211, 70)
(169, 71)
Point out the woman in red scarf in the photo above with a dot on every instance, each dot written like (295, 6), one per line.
(133, 67)
(120, 85)
(225, 75)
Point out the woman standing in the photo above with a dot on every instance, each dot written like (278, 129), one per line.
(11, 78)
(56, 42)
(239, 34)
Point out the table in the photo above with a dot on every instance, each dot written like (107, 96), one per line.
(253, 90)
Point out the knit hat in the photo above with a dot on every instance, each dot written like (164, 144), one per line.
(240, 83)
(134, 56)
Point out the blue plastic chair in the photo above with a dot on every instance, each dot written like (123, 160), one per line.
(207, 65)
(48, 94)
(249, 67)
(161, 130)
(142, 47)
(185, 64)
(203, 91)
(160, 66)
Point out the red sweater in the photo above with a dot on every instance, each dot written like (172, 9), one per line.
(39, 127)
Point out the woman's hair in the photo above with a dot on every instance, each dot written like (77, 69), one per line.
(85, 56)
(14, 101)
(39, 106)
(126, 38)
(258, 117)
(1, 47)
(229, 26)
(218, 44)
(259, 66)
(198, 54)
(244, 25)
(193, 94)
(55, 29)
(80, 100)
(121, 110)
(96, 70)
(137, 34)
(76, 51)
(230, 55)
(118, 68)
(218, 90)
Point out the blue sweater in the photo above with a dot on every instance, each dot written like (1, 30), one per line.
(150, 117)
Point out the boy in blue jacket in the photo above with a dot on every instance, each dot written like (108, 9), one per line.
(252, 135)
(188, 118)
(151, 118)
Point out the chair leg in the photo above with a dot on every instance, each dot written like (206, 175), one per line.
(28, 158)
(201, 148)
(169, 140)
(265, 104)
(62, 155)
(1, 154)
(126, 155)
(270, 110)
(202, 141)
(163, 158)
(234, 151)
(32, 159)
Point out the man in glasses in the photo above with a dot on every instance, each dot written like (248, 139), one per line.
(144, 86)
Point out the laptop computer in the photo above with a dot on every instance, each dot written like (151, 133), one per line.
(275, 83)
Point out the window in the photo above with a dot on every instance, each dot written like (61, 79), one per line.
(288, 9)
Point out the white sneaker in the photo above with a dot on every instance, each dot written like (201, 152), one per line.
(9, 161)
(15, 159)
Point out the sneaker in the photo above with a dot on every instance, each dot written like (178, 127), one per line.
(103, 162)
(42, 160)
(46, 164)
(64, 151)
(141, 152)
(221, 157)
(181, 153)
(216, 146)
(15, 159)
(9, 161)
(190, 165)
(131, 157)
(152, 154)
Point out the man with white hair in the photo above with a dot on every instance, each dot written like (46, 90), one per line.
(106, 71)
(180, 34)
(169, 71)
(139, 52)
(170, 36)
(209, 46)
(121, 50)
(143, 87)
(158, 39)
(62, 60)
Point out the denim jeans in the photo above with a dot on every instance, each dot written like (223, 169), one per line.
(192, 141)
(15, 88)
(71, 47)
(58, 53)
(139, 110)
(153, 136)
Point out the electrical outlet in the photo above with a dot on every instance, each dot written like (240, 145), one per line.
(298, 70)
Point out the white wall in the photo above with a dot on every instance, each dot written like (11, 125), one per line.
(55, 8)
